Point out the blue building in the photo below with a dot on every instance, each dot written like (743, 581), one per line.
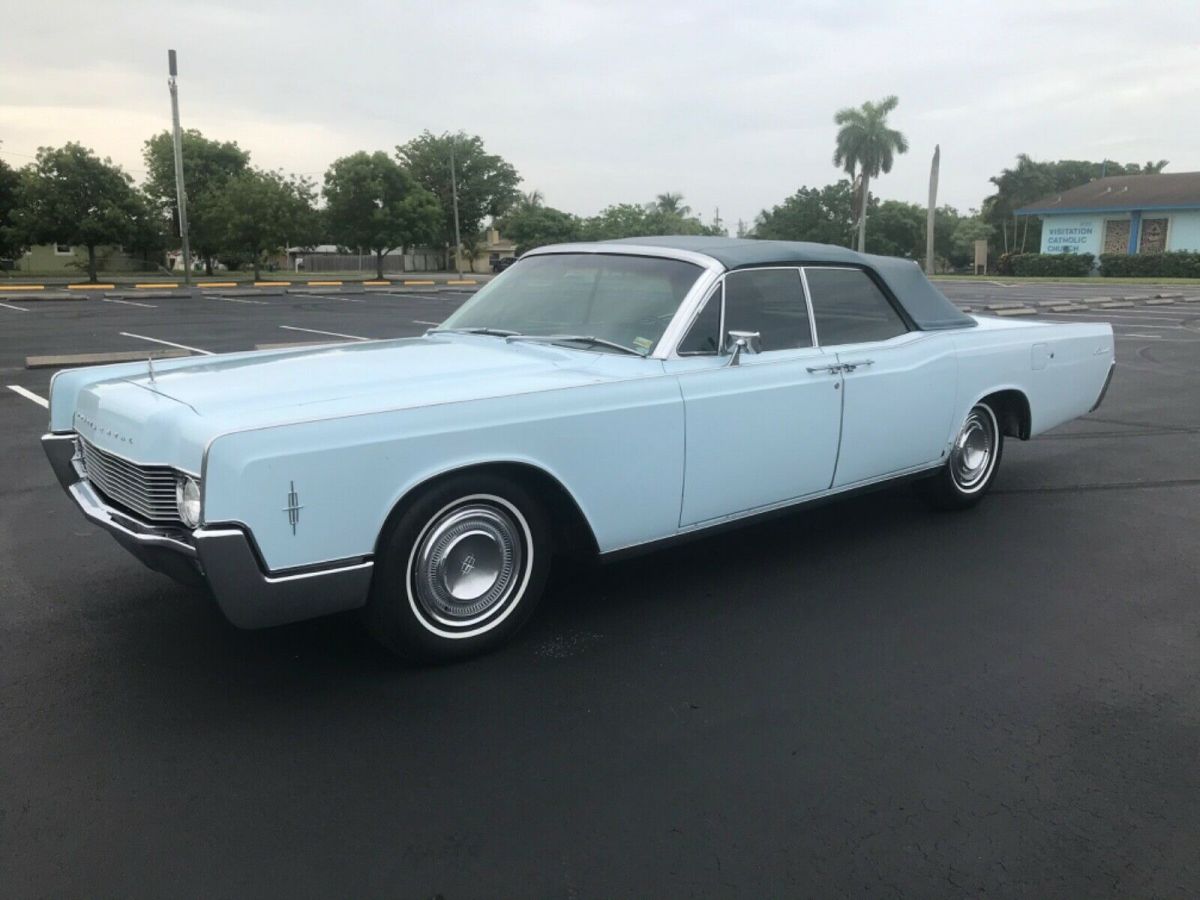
(1122, 214)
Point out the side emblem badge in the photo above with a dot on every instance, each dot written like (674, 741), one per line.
(293, 508)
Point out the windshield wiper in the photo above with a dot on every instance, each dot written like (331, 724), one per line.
(591, 340)
(499, 332)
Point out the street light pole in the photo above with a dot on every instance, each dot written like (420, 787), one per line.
(454, 194)
(180, 194)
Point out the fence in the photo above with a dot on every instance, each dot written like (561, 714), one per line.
(414, 261)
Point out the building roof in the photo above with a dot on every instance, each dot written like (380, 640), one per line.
(1123, 193)
(925, 304)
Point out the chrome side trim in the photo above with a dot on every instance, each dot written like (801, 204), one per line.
(1112, 367)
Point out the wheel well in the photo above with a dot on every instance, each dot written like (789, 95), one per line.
(1012, 411)
(570, 531)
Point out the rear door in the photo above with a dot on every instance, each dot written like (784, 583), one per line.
(899, 384)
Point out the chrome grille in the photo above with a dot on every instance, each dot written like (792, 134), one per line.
(147, 491)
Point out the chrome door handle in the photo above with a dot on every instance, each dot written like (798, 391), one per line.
(832, 369)
(851, 366)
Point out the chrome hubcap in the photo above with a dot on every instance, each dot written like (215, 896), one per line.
(467, 564)
(974, 450)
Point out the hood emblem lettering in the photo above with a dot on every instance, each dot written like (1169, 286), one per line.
(90, 425)
(293, 507)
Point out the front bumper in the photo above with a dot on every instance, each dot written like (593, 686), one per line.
(223, 559)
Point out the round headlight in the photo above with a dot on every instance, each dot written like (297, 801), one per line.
(187, 500)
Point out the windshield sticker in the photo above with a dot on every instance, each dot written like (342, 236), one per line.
(643, 343)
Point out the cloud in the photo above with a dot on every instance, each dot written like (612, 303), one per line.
(601, 102)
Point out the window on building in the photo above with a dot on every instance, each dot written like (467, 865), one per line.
(850, 308)
(63, 250)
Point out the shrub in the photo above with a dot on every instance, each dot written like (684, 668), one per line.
(1052, 264)
(1176, 264)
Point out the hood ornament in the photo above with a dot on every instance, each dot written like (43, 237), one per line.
(150, 367)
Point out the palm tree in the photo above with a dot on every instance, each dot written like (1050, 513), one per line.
(671, 205)
(865, 144)
(532, 200)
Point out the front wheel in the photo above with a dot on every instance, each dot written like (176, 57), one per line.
(971, 468)
(460, 570)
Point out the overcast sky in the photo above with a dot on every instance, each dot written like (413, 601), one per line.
(730, 103)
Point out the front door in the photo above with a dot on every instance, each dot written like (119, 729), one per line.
(764, 431)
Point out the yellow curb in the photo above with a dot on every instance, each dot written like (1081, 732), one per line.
(462, 281)
(91, 287)
(420, 282)
(165, 285)
(377, 282)
(271, 283)
(323, 283)
(22, 287)
(212, 284)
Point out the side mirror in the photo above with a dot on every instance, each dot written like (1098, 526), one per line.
(740, 342)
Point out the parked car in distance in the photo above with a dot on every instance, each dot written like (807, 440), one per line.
(499, 265)
(595, 399)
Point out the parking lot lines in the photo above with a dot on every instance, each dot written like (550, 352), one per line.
(17, 308)
(30, 395)
(236, 300)
(128, 302)
(352, 337)
(142, 337)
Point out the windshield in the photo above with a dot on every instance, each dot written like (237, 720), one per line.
(627, 300)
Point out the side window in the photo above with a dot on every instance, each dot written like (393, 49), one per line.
(705, 334)
(850, 308)
(771, 302)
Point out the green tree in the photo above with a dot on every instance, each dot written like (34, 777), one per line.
(823, 215)
(967, 231)
(899, 230)
(258, 213)
(486, 183)
(535, 226)
(637, 220)
(207, 165)
(71, 196)
(12, 243)
(670, 204)
(867, 146)
(373, 203)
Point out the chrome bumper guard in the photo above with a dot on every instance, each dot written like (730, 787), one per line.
(222, 558)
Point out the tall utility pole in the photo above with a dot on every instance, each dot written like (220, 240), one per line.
(933, 180)
(454, 194)
(180, 194)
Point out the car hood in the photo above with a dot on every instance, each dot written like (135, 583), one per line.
(166, 416)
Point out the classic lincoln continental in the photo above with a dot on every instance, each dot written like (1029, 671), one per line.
(594, 398)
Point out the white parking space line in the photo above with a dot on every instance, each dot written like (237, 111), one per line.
(1150, 337)
(236, 300)
(423, 322)
(352, 337)
(30, 395)
(343, 299)
(17, 308)
(129, 302)
(142, 337)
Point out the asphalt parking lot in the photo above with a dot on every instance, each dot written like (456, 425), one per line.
(865, 699)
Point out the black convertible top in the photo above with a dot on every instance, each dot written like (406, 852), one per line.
(925, 304)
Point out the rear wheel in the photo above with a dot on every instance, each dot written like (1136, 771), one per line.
(460, 570)
(971, 468)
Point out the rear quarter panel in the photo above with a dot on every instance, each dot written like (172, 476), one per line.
(1059, 367)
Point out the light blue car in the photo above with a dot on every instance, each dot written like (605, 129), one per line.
(594, 398)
